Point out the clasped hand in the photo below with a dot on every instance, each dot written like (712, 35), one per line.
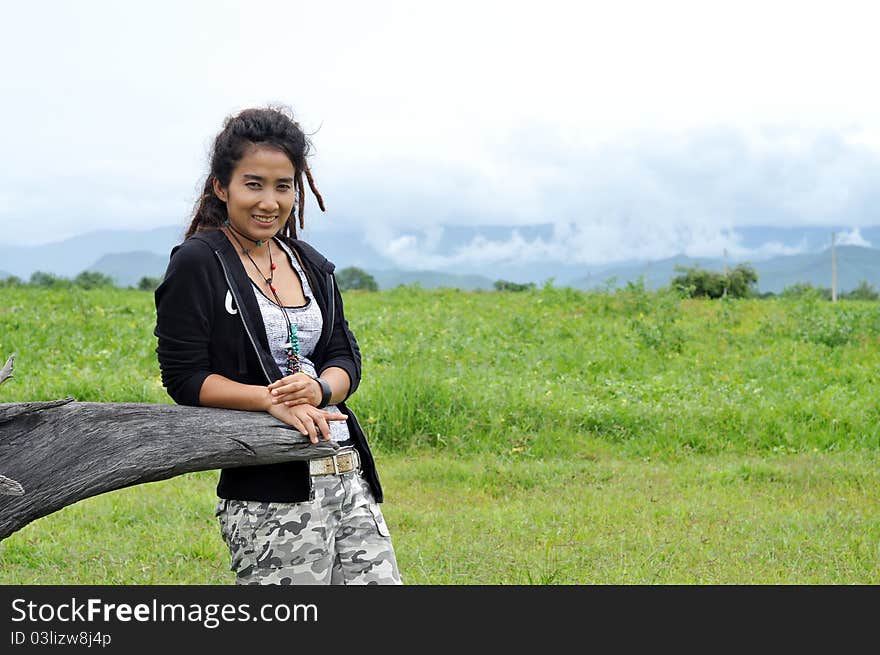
(294, 401)
(297, 389)
(307, 419)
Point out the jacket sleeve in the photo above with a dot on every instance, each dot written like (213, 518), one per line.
(184, 316)
(343, 350)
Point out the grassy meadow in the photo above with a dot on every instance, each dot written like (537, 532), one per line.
(542, 437)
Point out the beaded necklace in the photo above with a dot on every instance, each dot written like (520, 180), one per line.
(292, 345)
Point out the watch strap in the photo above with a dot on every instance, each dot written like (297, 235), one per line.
(326, 392)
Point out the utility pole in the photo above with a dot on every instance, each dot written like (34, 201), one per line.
(726, 275)
(833, 268)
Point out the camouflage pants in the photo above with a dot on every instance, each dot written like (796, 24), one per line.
(340, 537)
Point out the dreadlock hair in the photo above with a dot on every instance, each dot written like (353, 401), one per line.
(271, 126)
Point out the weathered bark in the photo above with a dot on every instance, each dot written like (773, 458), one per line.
(6, 371)
(53, 454)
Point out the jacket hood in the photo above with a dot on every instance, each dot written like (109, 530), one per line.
(218, 240)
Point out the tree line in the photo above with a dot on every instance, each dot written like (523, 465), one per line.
(691, 282)
(741, 282)
(84, 280)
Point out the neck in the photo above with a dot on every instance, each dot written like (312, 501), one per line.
(249, 245)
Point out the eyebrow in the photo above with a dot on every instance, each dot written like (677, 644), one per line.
(260, 178)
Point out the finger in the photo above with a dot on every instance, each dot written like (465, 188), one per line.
(296, 378)
(285, 380)
(280, 400)
(324, 426)
(296, 401)
(293, 387)
(313, 431)
(301, 426)
(282, 397)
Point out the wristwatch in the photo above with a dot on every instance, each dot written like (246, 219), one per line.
(326, 392)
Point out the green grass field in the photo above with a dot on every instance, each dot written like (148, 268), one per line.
(544, 437)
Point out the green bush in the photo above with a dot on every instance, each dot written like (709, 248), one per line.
(696, 282)
(354, 278)
(864, 291)
(93, 280)
(504, 285)
(48, 280)
(821, 322)
(148, 283)
(653, 316)
(806, 290)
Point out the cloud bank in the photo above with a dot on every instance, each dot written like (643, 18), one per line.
(648, 196)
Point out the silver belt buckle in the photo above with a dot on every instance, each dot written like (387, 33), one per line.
(354, 458)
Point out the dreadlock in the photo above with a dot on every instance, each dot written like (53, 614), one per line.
(270, 126)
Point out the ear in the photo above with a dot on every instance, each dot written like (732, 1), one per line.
(219, 191)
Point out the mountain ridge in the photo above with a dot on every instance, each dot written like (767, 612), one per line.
(128, 255)
(854, 265)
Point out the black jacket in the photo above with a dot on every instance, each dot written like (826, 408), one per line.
(208, 321)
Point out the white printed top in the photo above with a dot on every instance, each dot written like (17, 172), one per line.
(309, 321)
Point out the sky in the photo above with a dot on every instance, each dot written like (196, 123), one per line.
(636, 129)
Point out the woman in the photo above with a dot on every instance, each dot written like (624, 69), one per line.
(250, 318)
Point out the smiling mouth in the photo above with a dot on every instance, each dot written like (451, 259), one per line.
(263, 219)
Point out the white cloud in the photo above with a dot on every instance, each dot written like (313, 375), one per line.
(852, 238)
(589, 244)
(643, 124)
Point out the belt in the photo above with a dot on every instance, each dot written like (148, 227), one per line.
(342, 462)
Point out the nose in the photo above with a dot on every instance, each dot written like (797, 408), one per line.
(269, 201)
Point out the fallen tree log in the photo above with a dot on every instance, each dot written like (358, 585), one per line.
(53, 454)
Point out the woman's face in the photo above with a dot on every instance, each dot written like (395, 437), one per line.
(260, 195)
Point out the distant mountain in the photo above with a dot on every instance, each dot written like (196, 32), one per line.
(4, 275)
(127, 268)
(129, 255)
(71, 256)
(656, 274)
(854, 264)
(389, 279)
(346, 247)
(809, 239)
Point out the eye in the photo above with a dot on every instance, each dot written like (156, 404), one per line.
(252, 185)
(284, 187)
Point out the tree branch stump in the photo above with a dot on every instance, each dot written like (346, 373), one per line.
(6, 371)
(53, 454)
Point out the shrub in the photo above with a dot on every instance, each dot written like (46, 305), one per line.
(148, 283)
(504, 285)
(805, 290)
(93, 280)
(822, 322)
(696, 282)
(741, 281)
(653, 316)
(352, 278)
(50, 280)
(864, 291)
